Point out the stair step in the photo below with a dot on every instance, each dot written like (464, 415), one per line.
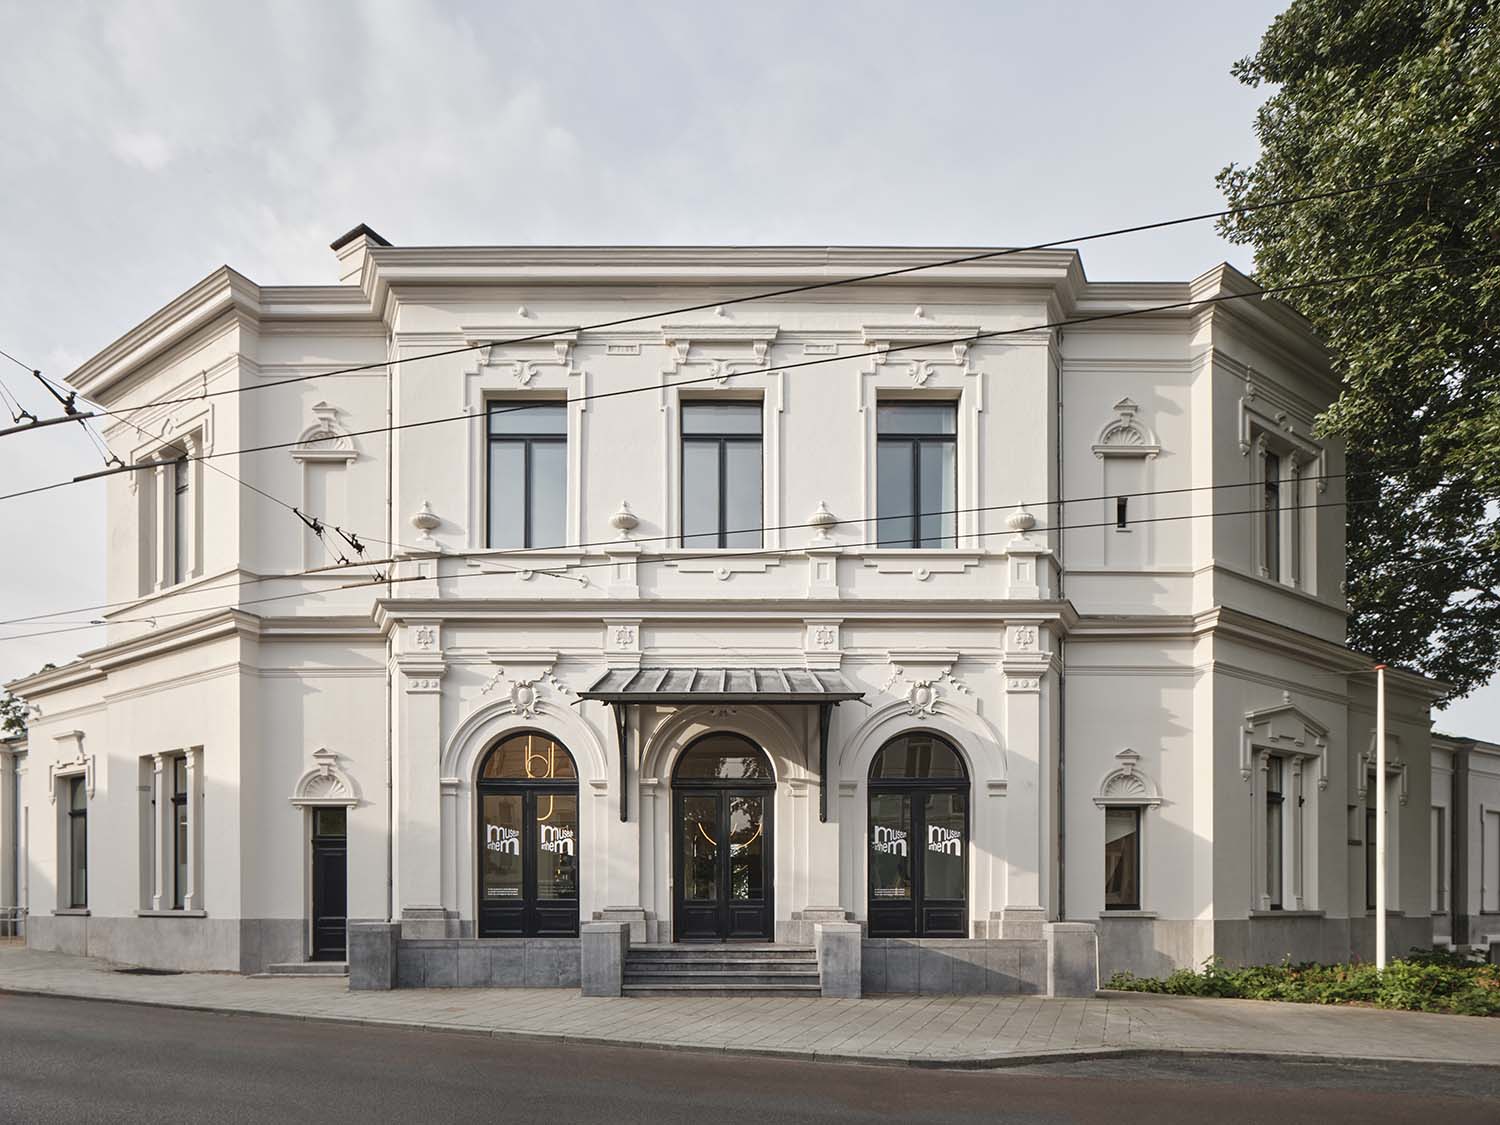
(701, 968)
(307, 969)
(721, 989)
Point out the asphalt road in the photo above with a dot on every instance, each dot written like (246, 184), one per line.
(86, 1061)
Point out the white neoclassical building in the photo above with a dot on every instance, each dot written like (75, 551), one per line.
(951, 604)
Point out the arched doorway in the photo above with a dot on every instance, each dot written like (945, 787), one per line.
(528, 839)
(723, 791)
(919, 839)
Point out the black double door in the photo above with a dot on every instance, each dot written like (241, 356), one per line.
(722, 872)
(528, 861)
(918, 861)
(330, 884)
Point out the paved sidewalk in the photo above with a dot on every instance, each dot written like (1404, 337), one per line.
(911, 1030)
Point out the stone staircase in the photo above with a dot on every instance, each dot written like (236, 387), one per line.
(307, 969)
(721, 970)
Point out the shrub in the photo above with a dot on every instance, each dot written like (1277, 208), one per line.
(1425, 981)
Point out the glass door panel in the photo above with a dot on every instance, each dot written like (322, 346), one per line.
(747, 876)
(700, 848)
(890, 847)
(943, 857)
(556, 846)
(502, 875)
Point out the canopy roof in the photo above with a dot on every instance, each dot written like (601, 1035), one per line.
(720, 685)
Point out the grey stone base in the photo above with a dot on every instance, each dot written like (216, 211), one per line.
(488, 963)
(947, 966)
(1151, 947)
(192, 943)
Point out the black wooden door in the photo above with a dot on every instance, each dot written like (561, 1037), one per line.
(330, 885)
(528, 862)
(722, 869)
(918, 863)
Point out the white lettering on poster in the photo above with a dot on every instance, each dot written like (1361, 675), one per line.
(945, 840)
(890, 841)
(557, 839)
(498, 838)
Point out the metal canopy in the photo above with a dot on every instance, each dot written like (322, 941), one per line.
(620, 687)
(721, 685)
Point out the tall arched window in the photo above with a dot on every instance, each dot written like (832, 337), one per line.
(528, 839)
(919, 839)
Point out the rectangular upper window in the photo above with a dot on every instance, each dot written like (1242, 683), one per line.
(181, 524)
(721, 474)
(527, 474)
(1271, 511)
(916, 474)
(78, 844)
(1122, 858)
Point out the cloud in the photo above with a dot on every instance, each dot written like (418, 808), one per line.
(147, 150)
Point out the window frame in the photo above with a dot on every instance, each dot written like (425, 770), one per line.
(526, 440)
(1272, 512)
(722, 440)
(1275, 874)
(182, 826)
(78, 851)
(916, 441)
(182, 499)
(1139, 813)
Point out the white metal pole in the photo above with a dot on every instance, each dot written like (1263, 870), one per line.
(1380, 834)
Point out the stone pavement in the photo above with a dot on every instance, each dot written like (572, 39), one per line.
(912, 1030)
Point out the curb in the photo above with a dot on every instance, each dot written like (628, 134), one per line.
(918, 1062)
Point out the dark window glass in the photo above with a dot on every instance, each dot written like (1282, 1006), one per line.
(1274, 813)
(916, 474)
(1272, 507)
(721, 474)
(78, 844)
(1122, 859)
(917, 756)
(747, 842)
(330, 822)
(556, 845)
(890, 846)
(179, 833)
(500, 878)
(1122, 511)
(1370, 853)
(945, 815)
(529, 757)
(181, 524)
(700, 848)
(724, 757)
(528, 474)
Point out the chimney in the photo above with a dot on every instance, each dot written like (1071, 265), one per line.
(351, 249)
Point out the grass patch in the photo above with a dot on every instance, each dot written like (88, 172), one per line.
(1423, 981)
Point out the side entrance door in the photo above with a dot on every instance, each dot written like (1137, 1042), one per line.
(330, 884)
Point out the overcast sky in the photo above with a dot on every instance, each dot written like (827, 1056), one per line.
(142, 145)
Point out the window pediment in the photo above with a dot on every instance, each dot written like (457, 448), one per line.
(1125, 435)
(325, 783)
(1127, 784)
(1285, 730)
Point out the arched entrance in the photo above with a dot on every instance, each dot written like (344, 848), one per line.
(723, 791)
(919, 839)
(528, 839)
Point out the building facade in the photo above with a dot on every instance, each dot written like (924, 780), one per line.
(951, 604)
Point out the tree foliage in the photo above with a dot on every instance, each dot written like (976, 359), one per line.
(1374, 91)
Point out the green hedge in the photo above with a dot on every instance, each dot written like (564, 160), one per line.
(1421, 982)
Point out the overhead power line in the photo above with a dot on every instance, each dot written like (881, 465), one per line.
(881, 275)
(967, 338)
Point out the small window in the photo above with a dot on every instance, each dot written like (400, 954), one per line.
(179, 833)
(916, 474)
(1122, 513)
(528, 474)
(1122, 858)
(182, 528)
(1271, 511)
(919, 757)
(78, 844)
(1439, 861)
(721, 474)
(1370, 853)
(1274, 833)
(723, 757)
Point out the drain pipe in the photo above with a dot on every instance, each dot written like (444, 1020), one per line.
(1062, 669)
(390, 767)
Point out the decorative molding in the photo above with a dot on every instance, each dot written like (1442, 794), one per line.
(1286, 730)
(1125, 435)
(325, 784)
(680, 339)
(1259, 416)
(920, 369)
(1127, 784)
(531, 673)
(1395, 766)
(524, 369)
(923, 679)
(71, 762)
(325, 439)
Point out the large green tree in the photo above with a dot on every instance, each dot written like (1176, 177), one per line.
(1374, 91)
